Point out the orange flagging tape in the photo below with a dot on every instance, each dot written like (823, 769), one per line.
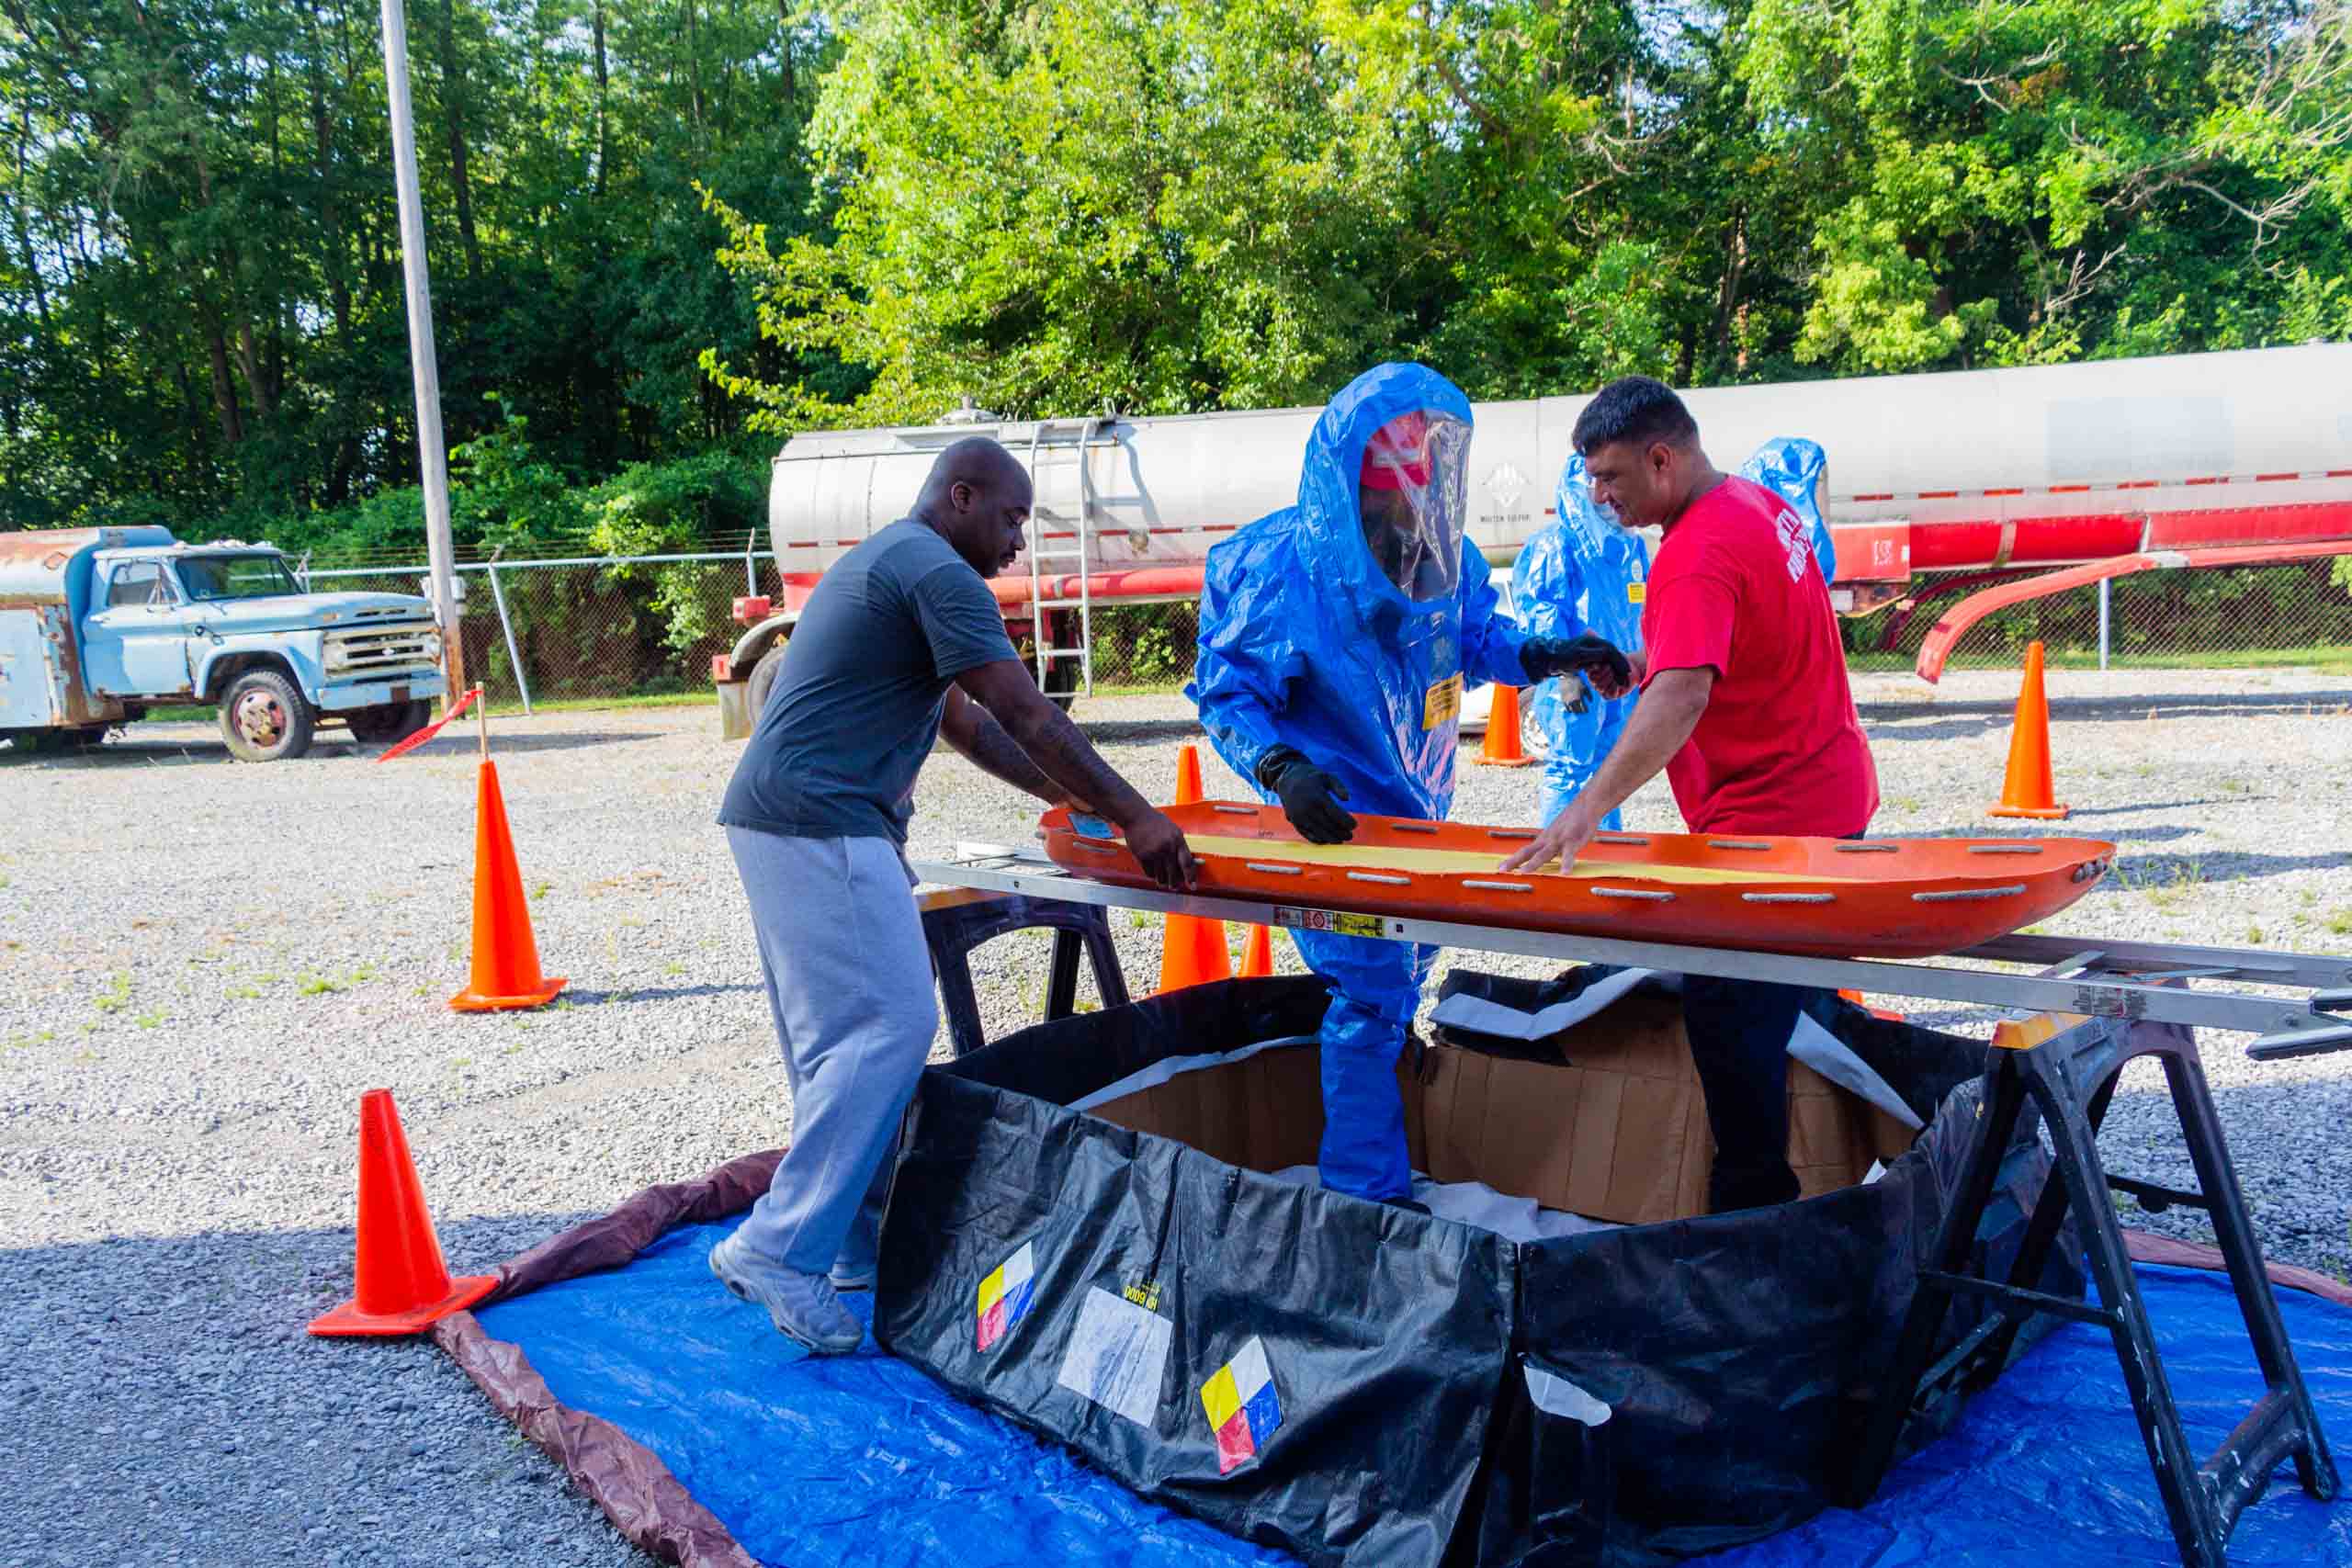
(430, 730)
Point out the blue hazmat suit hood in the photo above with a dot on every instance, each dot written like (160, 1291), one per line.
(1432, 496)
(1791, 467)
(1307, 639)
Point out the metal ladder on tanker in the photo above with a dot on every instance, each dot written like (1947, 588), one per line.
(1074, 549)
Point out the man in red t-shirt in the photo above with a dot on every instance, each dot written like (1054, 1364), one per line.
(1746, 707)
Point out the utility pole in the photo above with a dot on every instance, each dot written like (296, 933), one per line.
(432, 459)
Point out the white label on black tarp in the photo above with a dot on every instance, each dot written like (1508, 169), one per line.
(1555, 1395)
(1118, 1356)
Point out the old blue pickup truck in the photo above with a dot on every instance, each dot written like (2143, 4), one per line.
(98, 624)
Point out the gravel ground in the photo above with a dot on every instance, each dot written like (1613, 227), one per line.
(202, 965)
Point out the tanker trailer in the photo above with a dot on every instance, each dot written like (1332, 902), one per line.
(2184, 460)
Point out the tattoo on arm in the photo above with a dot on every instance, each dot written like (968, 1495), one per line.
(1061, 750)
(998, 754)
(1054, 746)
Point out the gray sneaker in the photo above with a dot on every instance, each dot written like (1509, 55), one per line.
(802, 1306)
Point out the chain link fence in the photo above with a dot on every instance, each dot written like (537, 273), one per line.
(578, 629)
(2299, 613)
(582, 628)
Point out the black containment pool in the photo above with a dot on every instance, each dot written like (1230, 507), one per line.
(1106, 1228)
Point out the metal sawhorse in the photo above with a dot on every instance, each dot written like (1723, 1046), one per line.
(2067, 1077)
(957, 920)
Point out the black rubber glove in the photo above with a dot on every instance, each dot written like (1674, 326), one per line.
(1544, 657)
(1310, 797)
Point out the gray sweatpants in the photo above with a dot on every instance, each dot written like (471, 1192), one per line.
(849, 981)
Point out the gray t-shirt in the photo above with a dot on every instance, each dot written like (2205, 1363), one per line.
(856, 707)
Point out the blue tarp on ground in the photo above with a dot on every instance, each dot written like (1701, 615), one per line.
(866, 1461)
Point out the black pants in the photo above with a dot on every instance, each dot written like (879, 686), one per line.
(1739, 1040)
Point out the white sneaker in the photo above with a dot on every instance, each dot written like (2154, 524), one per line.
(802, 1306)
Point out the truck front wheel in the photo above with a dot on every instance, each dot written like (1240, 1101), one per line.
(387, 724)
(264, 717)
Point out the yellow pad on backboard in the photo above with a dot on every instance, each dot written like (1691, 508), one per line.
(1470, 863)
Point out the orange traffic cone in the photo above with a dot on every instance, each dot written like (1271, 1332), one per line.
(506, 956)
(1191, 948)
(2026, 792)
(403, 1284)
(1192, 951)
(1258, 954)
(1188, 774)
(1856, 998)
(1502, 748)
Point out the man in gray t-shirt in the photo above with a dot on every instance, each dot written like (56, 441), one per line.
(902, 644)
(857, 704)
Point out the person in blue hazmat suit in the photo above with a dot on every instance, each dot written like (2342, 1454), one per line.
(1582, 573)
(1337, 637)
(1791, 467)
(1587, 573)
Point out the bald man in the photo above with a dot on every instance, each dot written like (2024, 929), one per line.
(900, 644)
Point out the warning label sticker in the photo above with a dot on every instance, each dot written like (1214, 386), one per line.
(1244, 1408)
(1118, 1356)
(1005, 1297)
(1442, 702)
(1339, 921)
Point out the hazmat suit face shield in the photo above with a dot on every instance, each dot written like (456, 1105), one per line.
(1596, 531)
(1411, 499)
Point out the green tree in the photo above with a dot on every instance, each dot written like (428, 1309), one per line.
(2011, 183)
(201, 311)
(1151, 207)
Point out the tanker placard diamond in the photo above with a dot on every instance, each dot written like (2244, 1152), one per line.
(1506, 484)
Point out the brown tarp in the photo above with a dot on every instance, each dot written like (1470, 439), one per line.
(612, 1241)
(645, 1503)
(2146, 1249)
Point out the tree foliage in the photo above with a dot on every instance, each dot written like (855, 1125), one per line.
(201, 308)
(1164, 204)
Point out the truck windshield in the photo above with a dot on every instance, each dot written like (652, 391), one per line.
(237, 576)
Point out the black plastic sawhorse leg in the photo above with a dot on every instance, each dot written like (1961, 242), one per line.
(2069, 1080)
(957, 920)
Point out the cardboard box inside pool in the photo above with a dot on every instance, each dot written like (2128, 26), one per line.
(1617, 1133)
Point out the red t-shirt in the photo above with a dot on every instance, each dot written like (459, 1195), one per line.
(1779, 749)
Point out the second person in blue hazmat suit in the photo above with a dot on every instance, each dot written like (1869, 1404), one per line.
(1337, 637)
(1588, 573)
(1584, 573)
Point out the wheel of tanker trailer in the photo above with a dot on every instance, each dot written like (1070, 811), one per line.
(387, 724)
(264, 717)
(763, 679)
